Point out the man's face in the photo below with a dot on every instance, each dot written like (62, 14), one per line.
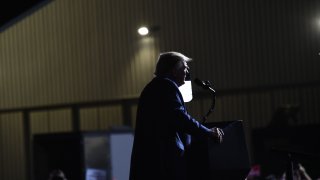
(180, 72)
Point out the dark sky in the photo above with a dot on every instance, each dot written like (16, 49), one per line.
(11, 10)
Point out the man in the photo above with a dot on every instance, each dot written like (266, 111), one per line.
(163, 126)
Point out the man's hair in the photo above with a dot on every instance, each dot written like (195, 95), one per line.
(168, 61)
(57, 174)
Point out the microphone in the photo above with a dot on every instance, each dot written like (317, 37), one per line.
(207, 85)
(204, 84)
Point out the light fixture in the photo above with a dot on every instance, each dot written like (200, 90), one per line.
(143, 31)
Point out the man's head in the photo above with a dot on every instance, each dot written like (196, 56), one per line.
(57, 174)
(173, 65)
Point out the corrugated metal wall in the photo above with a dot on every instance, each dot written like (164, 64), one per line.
(12, 149)
(75, 51)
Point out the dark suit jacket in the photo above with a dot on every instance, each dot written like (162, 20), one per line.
(162, 133)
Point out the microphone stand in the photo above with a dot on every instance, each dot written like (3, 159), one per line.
(208, 86)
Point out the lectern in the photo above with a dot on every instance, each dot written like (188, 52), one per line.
(208, 160)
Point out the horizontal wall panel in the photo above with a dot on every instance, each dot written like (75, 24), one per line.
(309, 106)
(100, 118)
(261, 109)
(287, 104)
(39, 122)
(89, 119)
(51, 121)
(110, 117)
(60, 120)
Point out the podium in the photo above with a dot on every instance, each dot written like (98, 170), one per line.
(208, 160)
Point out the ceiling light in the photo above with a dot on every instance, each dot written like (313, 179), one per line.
(143, 31)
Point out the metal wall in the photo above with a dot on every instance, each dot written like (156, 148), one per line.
(259, 55)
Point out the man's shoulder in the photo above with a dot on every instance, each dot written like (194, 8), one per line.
(163, 81)
(160, 85)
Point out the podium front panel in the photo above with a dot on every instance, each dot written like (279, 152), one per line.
(230, 160)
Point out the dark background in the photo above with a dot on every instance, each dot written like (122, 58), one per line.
(14, 10)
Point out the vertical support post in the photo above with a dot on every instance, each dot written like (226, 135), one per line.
(27, 145)
(126, 113)
(75, 118)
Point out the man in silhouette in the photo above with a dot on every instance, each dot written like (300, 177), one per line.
(163, 125)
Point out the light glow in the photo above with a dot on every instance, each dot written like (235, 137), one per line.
(186, 91)
(143, 31)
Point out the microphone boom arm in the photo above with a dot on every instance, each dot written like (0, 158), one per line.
(213, 103)
(208, 86)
